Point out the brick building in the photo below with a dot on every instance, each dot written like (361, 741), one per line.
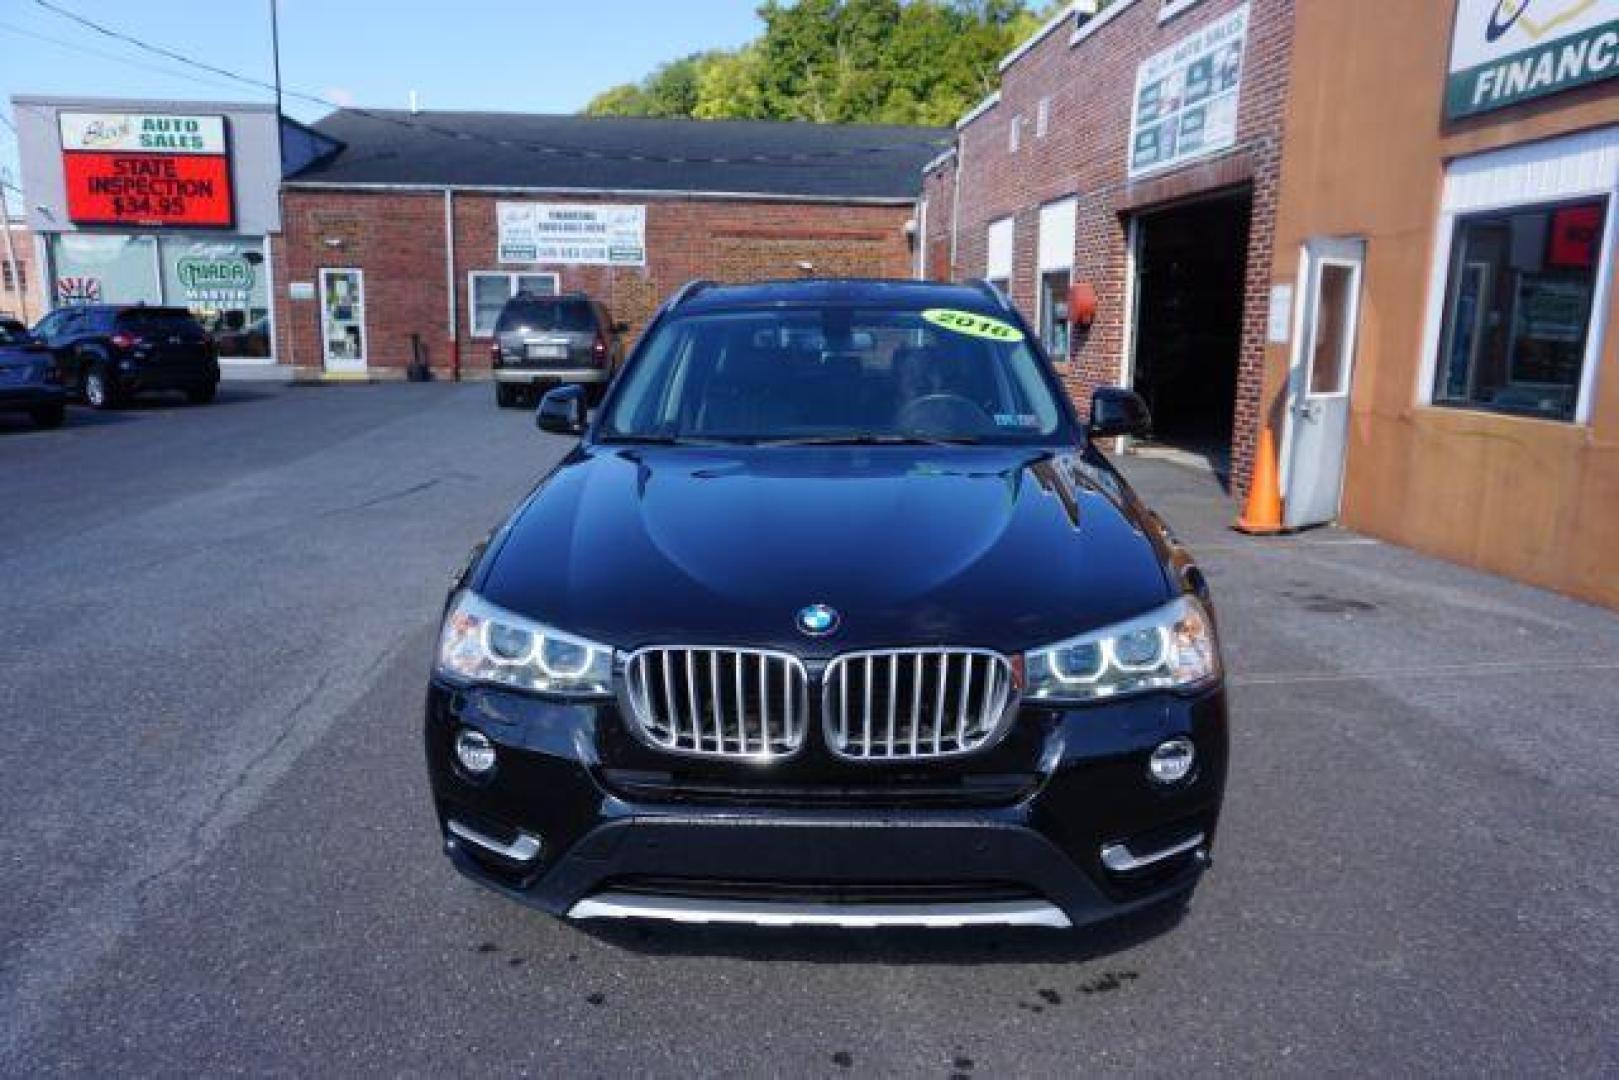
(1137, 151)
(409, 232)
(1382, 232)
(20, 294)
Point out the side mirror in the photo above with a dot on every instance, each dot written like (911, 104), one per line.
(621, 328)
(562, 411)
(1117, 411)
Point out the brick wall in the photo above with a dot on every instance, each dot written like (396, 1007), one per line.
(1091, 87)
(398, 240)
(22, 297)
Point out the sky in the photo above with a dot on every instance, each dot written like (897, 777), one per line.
(533, 56)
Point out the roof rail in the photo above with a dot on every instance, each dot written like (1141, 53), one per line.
(993, 291)
(687, 291)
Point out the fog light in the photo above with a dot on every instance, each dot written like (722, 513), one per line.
(1171, 761)
(474, 751)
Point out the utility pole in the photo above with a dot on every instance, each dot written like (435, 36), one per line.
(275, 54)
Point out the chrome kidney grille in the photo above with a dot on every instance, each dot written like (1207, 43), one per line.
(912, 704)
(733, 703)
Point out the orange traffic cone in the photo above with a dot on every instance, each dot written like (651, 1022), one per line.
(1263, 514)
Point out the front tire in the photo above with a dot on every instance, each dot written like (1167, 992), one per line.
(48, 416)
(506, 395)
(202, 395)
(100, 391)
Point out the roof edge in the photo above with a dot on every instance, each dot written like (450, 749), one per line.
(669, 194)
(978, 110)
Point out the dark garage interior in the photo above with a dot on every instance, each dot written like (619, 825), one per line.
(1190, 268)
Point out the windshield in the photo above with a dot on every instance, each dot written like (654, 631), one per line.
(831, 374)
(570, 315)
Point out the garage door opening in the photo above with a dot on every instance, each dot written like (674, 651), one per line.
(1190, 269)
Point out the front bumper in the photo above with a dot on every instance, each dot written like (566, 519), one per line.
(1015, 836)
(547, 376)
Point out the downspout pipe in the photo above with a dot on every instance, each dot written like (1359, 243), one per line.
(449, 284)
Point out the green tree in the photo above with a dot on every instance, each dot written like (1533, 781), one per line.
(671, 90)
(843, 61)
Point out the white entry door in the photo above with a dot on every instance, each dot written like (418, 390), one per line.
(1318, 384)
(342, 320)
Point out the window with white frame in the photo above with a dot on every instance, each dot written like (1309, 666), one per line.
(490, 289)
(1042, 118)
(998, 257)
(1014, 136)
(1055, 255)
(1518, 301)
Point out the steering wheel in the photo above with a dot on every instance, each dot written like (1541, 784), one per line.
(945, 414)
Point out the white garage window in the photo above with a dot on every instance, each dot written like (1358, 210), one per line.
(490, 290)
(1517, 303)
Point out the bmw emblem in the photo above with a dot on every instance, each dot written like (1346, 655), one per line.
(818, 620)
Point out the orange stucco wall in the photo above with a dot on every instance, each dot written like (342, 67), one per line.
(1364, 155)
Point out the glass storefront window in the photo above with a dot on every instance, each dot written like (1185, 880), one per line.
(95, 269)
(1518, 308)
(223, 280)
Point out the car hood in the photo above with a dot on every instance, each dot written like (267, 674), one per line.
(990, 547)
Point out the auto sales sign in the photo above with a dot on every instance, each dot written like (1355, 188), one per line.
(146, 169)
(1503, 52)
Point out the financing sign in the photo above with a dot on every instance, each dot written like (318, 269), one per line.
(578, 234)
(1506, 51)
(1186, 97)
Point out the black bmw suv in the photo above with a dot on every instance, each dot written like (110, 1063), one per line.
(835, 616)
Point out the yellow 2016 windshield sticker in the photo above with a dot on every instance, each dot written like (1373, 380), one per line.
(972, 324)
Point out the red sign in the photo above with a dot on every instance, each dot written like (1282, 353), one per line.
(1575, 237)
(148, 189)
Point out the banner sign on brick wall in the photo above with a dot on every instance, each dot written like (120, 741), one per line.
(1186, 97)
(1506, 51)
(578, 234)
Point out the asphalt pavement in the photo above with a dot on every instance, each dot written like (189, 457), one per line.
(218, 854)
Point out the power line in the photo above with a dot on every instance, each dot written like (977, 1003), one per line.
(549, 149)
(103, 55)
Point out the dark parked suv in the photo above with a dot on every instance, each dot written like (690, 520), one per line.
(543, 341)
(835, 616)
(107, 353)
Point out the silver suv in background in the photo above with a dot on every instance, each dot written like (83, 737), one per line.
(543, 341)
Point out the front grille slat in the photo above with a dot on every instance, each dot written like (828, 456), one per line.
(718, 715)
(959, 700)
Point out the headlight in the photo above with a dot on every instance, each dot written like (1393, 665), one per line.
(483, 643)
(1171, 648)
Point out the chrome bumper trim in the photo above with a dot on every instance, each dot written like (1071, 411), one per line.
(556, 375)
(1121, 860)
(524, 849)
(615, 905)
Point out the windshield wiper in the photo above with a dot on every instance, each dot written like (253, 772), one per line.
(873, 440)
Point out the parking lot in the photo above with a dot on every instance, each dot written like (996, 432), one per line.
(219, 853)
